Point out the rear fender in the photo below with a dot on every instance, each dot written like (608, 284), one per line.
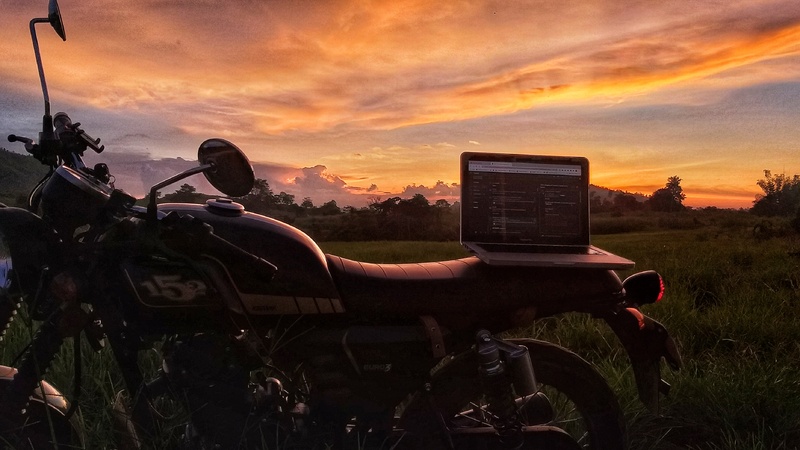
(646, 341)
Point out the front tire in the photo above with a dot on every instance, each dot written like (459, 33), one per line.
(43, 422)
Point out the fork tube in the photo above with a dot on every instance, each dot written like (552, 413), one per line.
(8, 309)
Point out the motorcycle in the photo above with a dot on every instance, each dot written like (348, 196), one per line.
(267, 342)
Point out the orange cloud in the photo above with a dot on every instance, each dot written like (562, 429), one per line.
(318, 80)
(315, 66)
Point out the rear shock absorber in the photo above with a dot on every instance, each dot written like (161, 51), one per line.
(498, 391)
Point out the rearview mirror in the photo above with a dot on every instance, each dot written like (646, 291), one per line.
(54, 17)
(224, 166)
(231, 172)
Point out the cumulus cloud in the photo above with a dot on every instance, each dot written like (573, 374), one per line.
(441, 190)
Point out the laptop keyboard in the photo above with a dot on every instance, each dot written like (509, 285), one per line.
(511, 248)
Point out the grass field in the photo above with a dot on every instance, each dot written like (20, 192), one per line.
(732, 304)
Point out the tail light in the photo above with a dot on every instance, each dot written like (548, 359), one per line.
(644, 288)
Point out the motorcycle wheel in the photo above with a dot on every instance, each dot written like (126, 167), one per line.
(36, 433)
(573, 409)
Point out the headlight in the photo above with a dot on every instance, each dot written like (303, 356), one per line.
(72, 198)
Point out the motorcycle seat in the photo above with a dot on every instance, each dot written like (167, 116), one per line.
(467, 288)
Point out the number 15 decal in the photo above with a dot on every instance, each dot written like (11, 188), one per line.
(173, 288)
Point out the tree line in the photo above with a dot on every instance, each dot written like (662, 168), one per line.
(411, 218)
(396, 218)
(667, 199)
(393, 218)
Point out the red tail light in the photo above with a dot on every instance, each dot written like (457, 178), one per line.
(644, 288)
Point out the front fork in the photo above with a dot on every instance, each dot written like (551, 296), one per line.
(66, 319)
(35, 362)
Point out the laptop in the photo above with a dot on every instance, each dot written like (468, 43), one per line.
(529, 210)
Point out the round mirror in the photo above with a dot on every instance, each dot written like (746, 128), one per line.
(231, 173)
(54, 17)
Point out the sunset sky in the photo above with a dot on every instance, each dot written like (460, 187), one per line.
(356, 99)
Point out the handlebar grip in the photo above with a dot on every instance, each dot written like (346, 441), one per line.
(15, 138)
(62, 123)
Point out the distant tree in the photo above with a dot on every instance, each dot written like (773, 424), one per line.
(262, 192)
(669, 198)
(260, 199)
(285, 199)
(781, 195)
(597, 203)
(627, 202)
(185, 194)
(386, 206)
(329, 208)
(416, 206)
(307, 203)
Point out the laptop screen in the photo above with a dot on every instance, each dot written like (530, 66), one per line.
(524, 199)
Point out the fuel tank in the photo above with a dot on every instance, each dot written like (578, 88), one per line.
(302, 283)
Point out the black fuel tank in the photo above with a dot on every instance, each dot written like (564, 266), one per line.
(302, 284)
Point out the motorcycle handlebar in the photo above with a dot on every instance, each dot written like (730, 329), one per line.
(15, 138)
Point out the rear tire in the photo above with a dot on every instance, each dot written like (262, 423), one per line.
(585, 412)
(597, 411)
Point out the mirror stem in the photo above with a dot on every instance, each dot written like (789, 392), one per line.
(39, 63)
(152, 209)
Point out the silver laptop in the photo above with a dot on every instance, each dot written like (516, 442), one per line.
(528, 210)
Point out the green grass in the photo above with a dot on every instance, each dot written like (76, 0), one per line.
(732, 305)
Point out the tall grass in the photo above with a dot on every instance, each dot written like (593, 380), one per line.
(733, 307)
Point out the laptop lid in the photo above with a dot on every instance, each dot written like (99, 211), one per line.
(524, 199)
